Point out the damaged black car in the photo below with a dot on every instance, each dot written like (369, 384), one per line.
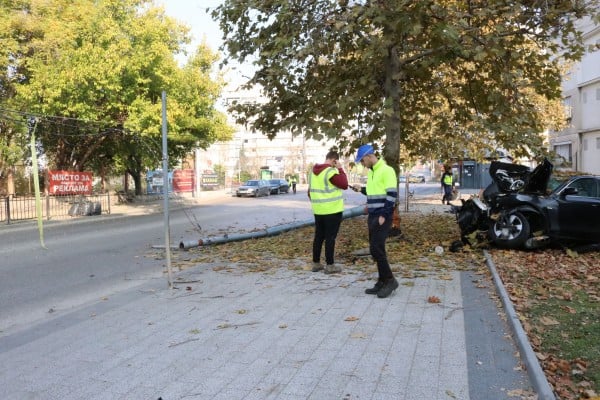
(527, 209)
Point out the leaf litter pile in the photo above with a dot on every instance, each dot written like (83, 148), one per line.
(557, 296)
(411, 255)
(555, 292)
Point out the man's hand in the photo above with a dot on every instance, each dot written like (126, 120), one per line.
(381, 219)
(357, 188)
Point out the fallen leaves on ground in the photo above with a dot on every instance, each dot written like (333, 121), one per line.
(557, 296)
(411, 255)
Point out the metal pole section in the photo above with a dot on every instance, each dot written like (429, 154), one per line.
(196, 189)
(32, 124)
(165, 167)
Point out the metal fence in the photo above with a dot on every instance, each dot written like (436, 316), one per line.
(15, 208)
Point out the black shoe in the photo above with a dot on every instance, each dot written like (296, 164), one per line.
(388, 287)
(395, 232)
(374, 289)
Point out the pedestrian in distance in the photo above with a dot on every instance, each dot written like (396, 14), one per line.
(325, 185)
(293, 183)
(381, 192)
(447, 182)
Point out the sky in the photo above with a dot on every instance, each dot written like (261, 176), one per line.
(193, 14)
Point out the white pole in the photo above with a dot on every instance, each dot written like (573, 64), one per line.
(32, 124)
(197, 174)
(165, 168)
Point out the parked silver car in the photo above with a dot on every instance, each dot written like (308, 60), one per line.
(254, 188)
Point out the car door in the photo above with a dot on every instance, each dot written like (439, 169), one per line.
(264, 187)
(284, 185)
(579, 214)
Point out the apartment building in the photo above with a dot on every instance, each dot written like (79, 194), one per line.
(579, 145)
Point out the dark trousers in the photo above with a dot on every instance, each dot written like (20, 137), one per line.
(377, 237)
(326, 230)
(447, 193)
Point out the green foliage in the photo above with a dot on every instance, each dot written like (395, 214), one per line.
(94, 73)
(439, 79)
(245, 175)
(221, 172)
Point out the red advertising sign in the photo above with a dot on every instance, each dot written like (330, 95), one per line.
(183, 180)
(69, 182)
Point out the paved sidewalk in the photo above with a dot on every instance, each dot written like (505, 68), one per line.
(290, 334)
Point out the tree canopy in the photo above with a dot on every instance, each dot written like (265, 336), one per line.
(93, 73)
(431, 79)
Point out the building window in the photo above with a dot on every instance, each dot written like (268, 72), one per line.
(563, 151)
(597, 94)
(568, 108)
(585, 144)
(597, 143)
(584, 97)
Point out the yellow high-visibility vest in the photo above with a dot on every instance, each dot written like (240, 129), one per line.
(448, 179)
(382, 188)
(325, 198)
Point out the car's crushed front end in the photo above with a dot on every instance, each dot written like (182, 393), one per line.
(509, 210)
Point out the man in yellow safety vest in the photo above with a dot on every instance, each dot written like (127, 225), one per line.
(325, 186)
(381, 192)
(447, 184)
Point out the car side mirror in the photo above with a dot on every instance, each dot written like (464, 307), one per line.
(569, 191)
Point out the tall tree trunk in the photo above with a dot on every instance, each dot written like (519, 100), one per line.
(393, 94)
(135, 170)
(137, 181)
(10, 181)
(126, 182)
(391, 150)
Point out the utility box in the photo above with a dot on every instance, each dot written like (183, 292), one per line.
(474, 175)
(266, 173)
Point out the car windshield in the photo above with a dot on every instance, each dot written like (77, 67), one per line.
(274, 181)
(587, 186)
(251, 183)
(558, 180)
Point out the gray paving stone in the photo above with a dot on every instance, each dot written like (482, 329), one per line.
(285, 335)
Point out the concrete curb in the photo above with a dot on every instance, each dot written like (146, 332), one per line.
(534, 370)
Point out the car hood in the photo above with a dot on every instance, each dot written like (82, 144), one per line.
(511, 178)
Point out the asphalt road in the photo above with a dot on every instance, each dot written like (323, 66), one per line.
(91, 258)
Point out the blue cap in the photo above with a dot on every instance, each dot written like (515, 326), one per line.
(363, 151)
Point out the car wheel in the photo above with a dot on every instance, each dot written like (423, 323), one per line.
(510, 230)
